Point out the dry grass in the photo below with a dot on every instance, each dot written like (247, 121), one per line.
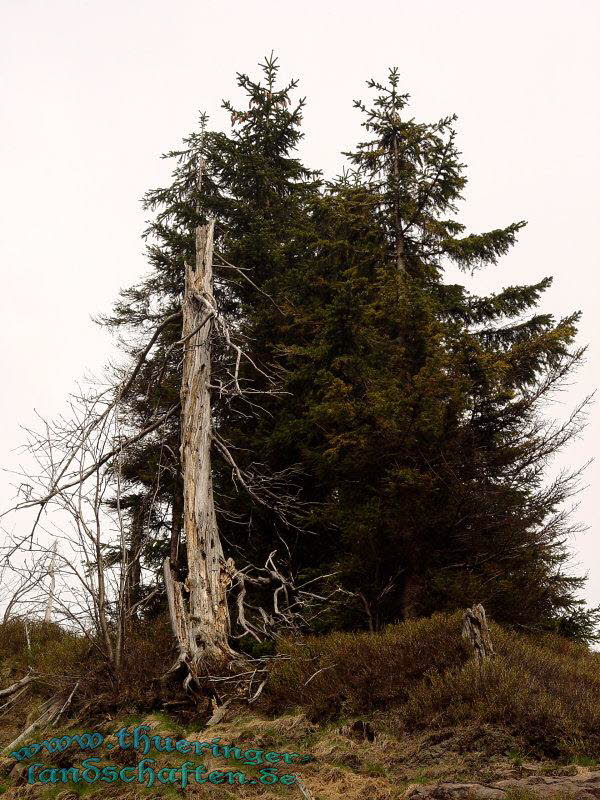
(60, 659)
(414, 679)
(545, 690)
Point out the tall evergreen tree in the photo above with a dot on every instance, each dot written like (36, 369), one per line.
(418, 407)
(410, 410)
(259, 194)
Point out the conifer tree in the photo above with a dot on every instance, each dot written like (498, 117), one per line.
(258, 194)
(410, 411)
(419, 406)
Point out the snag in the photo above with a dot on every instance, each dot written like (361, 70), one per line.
(475, 631)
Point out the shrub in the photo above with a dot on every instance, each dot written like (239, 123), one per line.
(62, 658)
(546, 690)
(357, 672)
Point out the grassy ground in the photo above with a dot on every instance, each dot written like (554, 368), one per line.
(377, 713)
(545, 690)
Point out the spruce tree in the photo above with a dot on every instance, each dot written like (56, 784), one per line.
(419, 407)
(410, 411)
(259, 194)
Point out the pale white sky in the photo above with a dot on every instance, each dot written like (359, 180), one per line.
(92, 91)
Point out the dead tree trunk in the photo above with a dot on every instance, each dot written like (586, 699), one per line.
(475, 631)
(200, 625)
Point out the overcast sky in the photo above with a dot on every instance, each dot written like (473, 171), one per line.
(92, 91)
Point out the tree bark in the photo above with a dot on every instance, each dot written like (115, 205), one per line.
(176, 519)
(201, 626)
(475, 630)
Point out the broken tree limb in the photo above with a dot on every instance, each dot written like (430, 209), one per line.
(16, 686)
(52, 713)
(219, 712)
(475, 630)
(12, 699)
(45, 718)
(67, 703)
(177, 611)
(304, 790)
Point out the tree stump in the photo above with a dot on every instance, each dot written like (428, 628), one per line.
(475, 630)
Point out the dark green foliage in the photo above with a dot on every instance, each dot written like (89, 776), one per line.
(60, 659)
(418, 406)
(404, 414)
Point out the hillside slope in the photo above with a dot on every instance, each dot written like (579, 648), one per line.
(403, 713)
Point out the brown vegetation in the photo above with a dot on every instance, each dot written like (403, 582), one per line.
(543, 689)
(380, 713)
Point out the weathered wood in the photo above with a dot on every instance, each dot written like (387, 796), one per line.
(177, 610)
(219, 712)
(46, 718)
(208, 573)
(475, 630)
(16, 686)
(304, 790)
(201, 626)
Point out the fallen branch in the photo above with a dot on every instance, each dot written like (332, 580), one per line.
(67, 703)
(304, 790)
(16, 686)
(45, 718)
(12, 699)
